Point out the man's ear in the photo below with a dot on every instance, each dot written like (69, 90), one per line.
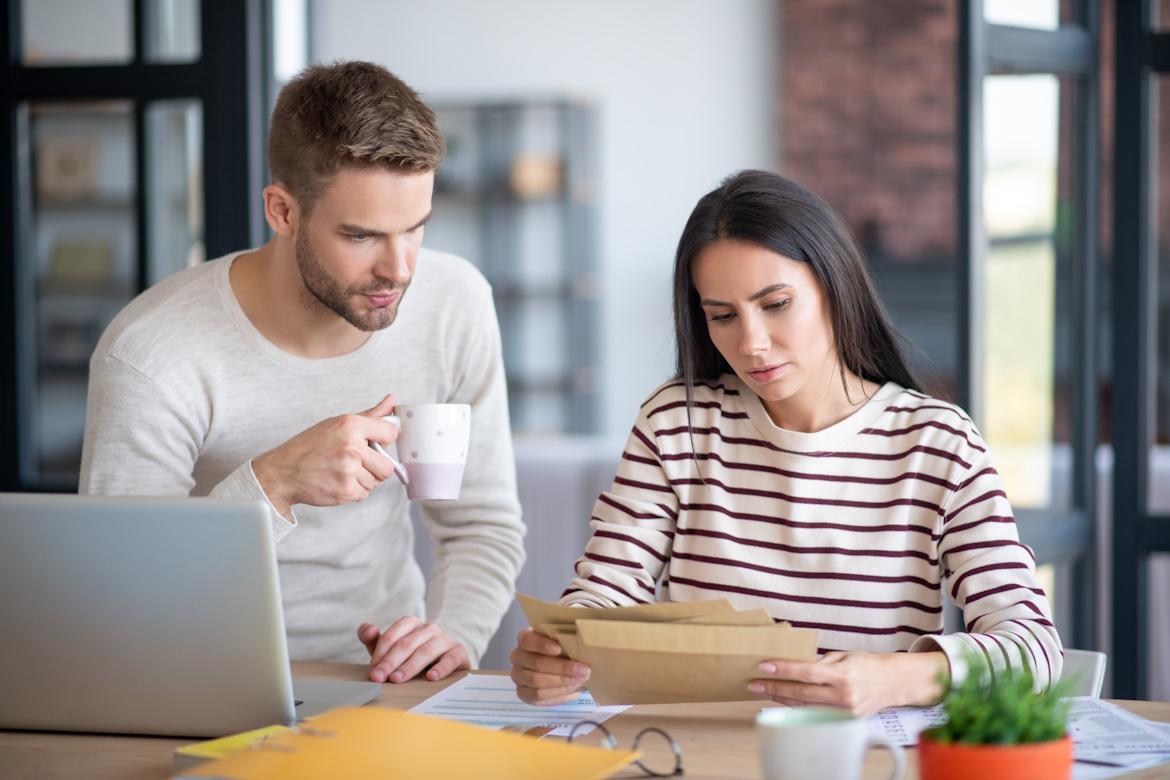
(281, 210)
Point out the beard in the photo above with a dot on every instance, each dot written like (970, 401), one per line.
(326, 291)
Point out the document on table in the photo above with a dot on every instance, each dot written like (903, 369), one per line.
(902, 725)
(490, 700)
(1108, 739)
(1107, 734)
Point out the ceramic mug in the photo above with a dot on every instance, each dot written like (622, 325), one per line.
(432, 448)
(817, 743)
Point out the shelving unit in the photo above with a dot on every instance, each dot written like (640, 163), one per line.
(516, 196)
(106, 145)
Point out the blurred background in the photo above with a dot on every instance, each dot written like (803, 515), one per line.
(1019, 241)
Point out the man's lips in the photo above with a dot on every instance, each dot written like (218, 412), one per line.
(767, 373)
(379, 300)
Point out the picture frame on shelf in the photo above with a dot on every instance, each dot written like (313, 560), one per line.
(67, 169)
(80, 264)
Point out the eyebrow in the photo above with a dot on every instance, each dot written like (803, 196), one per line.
(755, 297)
(347, 227)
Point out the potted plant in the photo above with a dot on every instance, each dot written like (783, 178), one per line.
(999, 727)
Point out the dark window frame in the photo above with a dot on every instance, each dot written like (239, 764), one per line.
(1056, 536)
(228, 78)
(1138, 532)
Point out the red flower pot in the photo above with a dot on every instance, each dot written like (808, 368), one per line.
(959, 761)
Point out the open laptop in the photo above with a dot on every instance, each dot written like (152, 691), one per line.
(146, 616)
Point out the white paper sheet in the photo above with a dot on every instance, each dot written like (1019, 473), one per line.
(902, 725)
(1102, 732)
(490, 700)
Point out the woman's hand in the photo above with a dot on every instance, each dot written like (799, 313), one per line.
(862, 683)
(540, 674)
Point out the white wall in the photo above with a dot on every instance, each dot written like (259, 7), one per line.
(686, 95)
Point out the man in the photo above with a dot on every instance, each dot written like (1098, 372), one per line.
(265, 374)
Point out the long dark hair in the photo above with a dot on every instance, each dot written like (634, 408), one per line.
(778, 214)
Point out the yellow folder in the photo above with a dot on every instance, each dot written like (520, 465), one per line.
(365, 742)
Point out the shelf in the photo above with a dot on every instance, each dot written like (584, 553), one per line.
(79, 290)
(521, 292)
(549, 384)
(82, 204)
(64, 368)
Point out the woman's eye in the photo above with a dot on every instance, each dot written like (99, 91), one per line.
(778, 305)
(719, 317)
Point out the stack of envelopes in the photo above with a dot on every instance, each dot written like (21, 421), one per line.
(670, 652)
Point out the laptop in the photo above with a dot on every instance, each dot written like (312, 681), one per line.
(147, 616)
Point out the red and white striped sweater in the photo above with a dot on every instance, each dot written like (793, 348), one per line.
(853, 530)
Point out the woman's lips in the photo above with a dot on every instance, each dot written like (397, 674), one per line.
(382, 300)
(767, 373)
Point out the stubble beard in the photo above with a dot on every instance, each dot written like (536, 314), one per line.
(324, 290)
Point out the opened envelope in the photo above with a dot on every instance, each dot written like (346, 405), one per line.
(670, 652)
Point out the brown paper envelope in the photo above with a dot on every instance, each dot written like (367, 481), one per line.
(747, 617)
(566, 633)
(660, 663)
(540, 612)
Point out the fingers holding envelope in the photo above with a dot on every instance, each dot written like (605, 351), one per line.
(541, 674)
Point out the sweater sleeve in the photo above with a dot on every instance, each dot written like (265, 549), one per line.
(479, 538)
(633, 530)
(143, 440)
(992, 577)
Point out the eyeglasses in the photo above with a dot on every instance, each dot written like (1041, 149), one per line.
(609, 743)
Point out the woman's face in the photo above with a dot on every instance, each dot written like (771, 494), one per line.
(767, 316)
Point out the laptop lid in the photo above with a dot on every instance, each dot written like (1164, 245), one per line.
(140, 615)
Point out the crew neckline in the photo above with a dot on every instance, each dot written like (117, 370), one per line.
(261, 343)
(826, 439)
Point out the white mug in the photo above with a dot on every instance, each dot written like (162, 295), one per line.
(432, 448)
(817, 743)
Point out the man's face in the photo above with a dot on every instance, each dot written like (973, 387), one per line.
(358, 249)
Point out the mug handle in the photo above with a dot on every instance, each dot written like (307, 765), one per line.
(399, 469)
(895, 751)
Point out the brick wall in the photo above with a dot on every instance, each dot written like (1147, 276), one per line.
(867, 113)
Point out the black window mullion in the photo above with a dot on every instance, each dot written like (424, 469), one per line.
(1157, 534)
(163, 80)
(1083, 368)
(1131, 349)
(970, 72)
(231, 142)
(140, 31)
(1159, 51)
(141, 197)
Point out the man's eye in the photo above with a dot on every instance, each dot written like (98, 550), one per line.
(358, 238)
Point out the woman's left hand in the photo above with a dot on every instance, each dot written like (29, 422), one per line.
(862, 683)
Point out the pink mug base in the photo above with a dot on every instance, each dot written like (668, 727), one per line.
(433, 481)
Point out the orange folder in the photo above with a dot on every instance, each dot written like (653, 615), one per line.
(364, 742)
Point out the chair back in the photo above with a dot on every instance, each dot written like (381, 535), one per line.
(1087, 668)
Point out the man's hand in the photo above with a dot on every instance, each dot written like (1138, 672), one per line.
(331, 463)
(407, 647)
(862, 683)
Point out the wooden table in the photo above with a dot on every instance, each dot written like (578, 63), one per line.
(718, 740)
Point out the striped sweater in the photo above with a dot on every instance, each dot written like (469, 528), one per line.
(854, 530)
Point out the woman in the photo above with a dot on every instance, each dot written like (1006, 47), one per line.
(792, 464)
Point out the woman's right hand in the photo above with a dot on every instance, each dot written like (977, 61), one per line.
(541, 675)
